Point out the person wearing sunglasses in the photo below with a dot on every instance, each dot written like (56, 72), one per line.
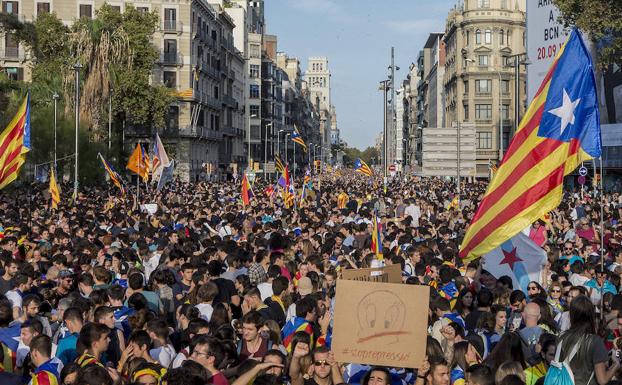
(555, 298)
(535, 290)
(326, 371)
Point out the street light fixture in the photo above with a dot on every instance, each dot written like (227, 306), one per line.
(55, 97)
(265, 149)
(76, 68)
(248, 142)
(519, 58)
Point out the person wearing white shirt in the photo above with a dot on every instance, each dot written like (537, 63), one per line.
(205, 298)
(265, 288)
(162, 351)
(414, 212)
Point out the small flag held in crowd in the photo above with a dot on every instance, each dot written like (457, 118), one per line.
(278, 164)
(454, 204)
(139, 162)
(297, 138)
(54, 190)
(362, 167)
(247, 191)
(376, 241)
(519, 258)
(14, 144)
(160, 159)
(114, 176)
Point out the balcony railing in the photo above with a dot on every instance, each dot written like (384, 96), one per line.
(171, 58)
(172, 26)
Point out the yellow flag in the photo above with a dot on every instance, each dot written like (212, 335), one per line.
(54, 190)
(139, 162)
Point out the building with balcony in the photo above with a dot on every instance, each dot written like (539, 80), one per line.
(195, 42)
(479, 83)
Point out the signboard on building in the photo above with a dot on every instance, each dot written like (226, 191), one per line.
(440, 150)
(545, 36)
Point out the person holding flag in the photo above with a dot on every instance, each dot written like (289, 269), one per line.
(376, 237)
(54, 190)
(363, 168)
(560, 129)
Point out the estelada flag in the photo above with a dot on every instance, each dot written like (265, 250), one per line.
(54, 190)
(376, 242)
(139, 162)
(14, 144)
(362, 167)
(560, 129)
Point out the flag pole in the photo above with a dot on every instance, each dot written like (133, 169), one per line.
(602, 217)
(138, 181)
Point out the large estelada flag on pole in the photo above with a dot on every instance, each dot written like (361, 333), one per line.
(14, 144)
(519, 258)
(560, 129)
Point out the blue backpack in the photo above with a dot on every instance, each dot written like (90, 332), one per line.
(560, 373)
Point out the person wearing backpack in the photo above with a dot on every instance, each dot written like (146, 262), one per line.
(581, 355)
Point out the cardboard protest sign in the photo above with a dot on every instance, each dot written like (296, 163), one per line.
(387, 274)
(380, 323)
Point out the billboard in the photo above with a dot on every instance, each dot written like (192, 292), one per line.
(545, 36)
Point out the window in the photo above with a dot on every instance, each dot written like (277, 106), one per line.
(484, 140)
(504, 4)
(482, 60)
(254, 70)
(173, 118)
(468, 38)
(483, 86)
(483, 3)
(170, 19)
(254, 111)
(14, 73)
(466, 86)
(478, 36)
(116, 8)
(170, 79)
(11, 47)
(216, 92)
(10, 7)
(488, 37)
(255, 51)
(466, 111)
(505, 86)
(501, 37)
(483, 111)
(86, 10)
(43, 8)
(254, 91)
(255, 131)
(142, 10)
(505, 111)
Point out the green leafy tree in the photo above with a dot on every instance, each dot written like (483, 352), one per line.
(602, 20)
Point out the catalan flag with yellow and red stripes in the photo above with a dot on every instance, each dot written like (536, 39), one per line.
(14, 144)
(560, 129)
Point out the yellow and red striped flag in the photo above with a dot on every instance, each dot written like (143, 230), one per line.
(363, 168)
(560, 129)
(14, 144)
(54, 190)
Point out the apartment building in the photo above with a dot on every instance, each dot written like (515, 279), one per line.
(196, 58)
(483, 38)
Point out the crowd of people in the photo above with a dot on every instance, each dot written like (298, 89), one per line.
(202, 289)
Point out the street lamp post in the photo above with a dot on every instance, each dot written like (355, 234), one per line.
(55, 97)
(278, 142)
(519, 58)
(76, 68)
(265, 151)
(384, 88)
(109, 121)
(248, 142)
(286, 146)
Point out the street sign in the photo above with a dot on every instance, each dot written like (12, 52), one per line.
(581, 180)
(583, 171)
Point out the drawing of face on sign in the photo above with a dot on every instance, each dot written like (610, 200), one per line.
(381, 314)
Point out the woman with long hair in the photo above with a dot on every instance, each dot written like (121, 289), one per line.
(509, 348)
(585, 350)
(464, 356)
(464, 304)
(554, 298)
(535, 290)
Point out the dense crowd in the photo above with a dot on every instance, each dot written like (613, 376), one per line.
(205, 290)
